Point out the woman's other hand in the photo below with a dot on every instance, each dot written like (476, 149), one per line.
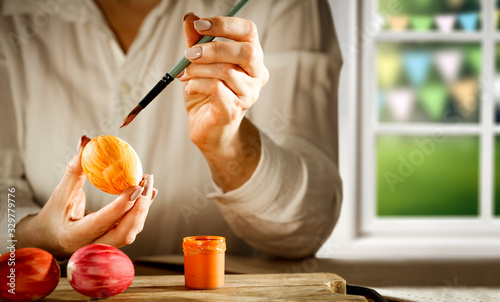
(63, 225)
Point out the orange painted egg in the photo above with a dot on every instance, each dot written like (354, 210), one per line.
(111, 164)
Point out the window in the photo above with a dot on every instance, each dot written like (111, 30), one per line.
(427, 76)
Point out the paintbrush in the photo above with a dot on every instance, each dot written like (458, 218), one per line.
(174, 72)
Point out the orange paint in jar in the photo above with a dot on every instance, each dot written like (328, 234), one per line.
(204, 261)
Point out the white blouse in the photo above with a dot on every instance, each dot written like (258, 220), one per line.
(63, 74)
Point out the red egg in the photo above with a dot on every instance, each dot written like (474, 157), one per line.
(28, 274)
(100, 271)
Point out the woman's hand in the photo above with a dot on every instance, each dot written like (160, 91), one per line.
(63, 226)
(223, 81)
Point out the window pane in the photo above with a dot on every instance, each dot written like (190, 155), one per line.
(427, 176)
(497, 15)
(497, 176)
(431, 15)
(497, 83)
(428, 82)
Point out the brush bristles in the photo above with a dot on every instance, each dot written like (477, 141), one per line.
(131, 116)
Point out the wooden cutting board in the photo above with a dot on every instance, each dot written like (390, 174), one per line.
(250, 287)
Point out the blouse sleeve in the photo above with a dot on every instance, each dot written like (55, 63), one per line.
(291, 203)
(17, 200)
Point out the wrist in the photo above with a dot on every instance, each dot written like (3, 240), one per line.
(233, 162)
(220, 141)
(26, 232)
(30, 234)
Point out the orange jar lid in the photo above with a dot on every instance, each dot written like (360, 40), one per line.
(203, 244)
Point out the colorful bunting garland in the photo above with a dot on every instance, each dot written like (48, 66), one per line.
(388, 68)
(433, 97)
(465, 92)
(444, 22)
(417, 66)
(421, 22)
(401, 102)
(468, 21)
(399, 22)
(380, 102)
(448, 63)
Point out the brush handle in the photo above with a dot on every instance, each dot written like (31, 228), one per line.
(156, 90)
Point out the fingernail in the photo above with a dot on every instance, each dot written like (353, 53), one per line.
(136, 194)
(148, 186)
(155, 191)
(187, 15)
(80, 142)
(180, 75)
(193, 53)
(202, 25)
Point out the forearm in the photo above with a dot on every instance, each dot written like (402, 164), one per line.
(19, 206)
(233, 164)
(290, 205)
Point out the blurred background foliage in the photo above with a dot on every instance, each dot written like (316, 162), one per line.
(421, 176)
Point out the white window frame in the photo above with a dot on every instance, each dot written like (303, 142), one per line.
(359, 233)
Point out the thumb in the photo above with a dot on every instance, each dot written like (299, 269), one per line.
(191, 35)
(74, 176)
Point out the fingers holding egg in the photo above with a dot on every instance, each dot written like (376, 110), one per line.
(113, 166)
(132, 223)
(73, 175)
(101, 221)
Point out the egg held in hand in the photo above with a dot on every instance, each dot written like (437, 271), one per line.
(111, 164)
(100, 271)
(27, 274)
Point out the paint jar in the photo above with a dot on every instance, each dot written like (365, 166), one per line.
(204, 261)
